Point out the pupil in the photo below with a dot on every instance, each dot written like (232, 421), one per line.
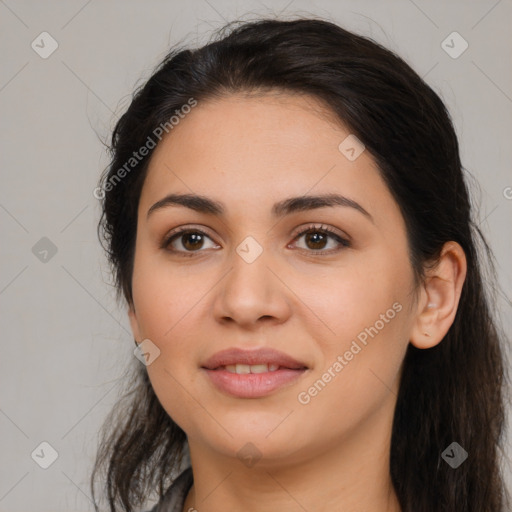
(316, 238)
(196, 240)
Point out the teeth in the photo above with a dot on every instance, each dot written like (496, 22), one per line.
(242, 369)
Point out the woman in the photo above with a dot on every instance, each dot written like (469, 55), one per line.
(287, 218)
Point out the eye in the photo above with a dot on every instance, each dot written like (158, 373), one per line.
(317, 238)
(188, 240)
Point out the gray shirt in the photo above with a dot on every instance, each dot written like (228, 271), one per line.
(174, 498)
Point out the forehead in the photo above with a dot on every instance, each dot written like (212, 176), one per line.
(257, 149)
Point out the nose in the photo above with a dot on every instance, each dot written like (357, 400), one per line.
(252, 294)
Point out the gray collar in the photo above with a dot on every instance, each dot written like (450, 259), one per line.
(174, 498)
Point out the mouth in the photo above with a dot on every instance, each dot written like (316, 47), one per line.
(252, 374)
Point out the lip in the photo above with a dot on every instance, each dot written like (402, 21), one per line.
(252, 357)
(252, 385)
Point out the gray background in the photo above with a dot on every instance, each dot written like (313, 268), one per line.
(65, 341)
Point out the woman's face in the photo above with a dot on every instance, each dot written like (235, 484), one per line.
(338, 303)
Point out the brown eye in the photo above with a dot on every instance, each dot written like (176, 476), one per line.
(192, 241)
(317, 240)
(188, 241)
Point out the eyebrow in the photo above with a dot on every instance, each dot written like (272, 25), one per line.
(203, 204)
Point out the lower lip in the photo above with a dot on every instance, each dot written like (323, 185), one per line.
(252, 385)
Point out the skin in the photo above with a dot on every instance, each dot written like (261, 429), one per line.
(332, 453)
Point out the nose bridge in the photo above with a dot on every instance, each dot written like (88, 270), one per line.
(250, 291)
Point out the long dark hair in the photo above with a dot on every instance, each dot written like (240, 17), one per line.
(454, 391)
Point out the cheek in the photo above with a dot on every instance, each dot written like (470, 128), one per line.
(163, 296)
(366, 332)
(355, 297)
(358, 374)
(165, 309)
(366, 311)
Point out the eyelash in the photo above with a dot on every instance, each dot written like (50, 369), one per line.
(312, 228)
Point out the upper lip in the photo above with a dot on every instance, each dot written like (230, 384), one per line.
(252, 357)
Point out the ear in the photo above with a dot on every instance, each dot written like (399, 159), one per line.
(439, 297)
(134, 323)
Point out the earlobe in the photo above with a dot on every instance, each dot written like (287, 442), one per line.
(440, 295)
